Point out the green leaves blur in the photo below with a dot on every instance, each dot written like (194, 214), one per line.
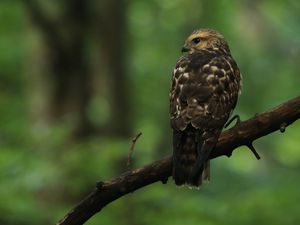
(43, 173)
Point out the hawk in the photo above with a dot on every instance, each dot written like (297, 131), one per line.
(205, 86)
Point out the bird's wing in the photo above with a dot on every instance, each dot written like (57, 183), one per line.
(205, 88)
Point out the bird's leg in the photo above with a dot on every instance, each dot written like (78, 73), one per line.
(235, 117)
(206, 171)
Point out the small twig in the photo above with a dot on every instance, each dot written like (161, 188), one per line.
(251, 147)
(282, 127)
(132, 148)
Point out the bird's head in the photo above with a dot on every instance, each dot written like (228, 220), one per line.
(205, 39)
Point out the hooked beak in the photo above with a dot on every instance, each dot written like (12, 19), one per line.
(185, 49)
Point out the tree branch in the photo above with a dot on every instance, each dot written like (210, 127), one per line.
(242, 134)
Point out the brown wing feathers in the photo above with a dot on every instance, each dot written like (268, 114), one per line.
(204, 92)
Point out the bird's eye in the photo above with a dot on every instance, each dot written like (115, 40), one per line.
(196, 40)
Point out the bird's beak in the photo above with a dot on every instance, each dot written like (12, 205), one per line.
(185, 49)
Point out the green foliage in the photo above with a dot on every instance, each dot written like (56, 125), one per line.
(43, 173)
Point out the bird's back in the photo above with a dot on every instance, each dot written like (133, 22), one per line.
(204, 92)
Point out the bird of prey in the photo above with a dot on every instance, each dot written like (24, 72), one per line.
(205, 86)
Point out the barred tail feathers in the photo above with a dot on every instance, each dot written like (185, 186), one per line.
(184, 156)
(192, 148)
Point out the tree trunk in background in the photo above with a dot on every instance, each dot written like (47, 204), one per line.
(71, 77)
(68, 72)
(67, 69)
(112, 34)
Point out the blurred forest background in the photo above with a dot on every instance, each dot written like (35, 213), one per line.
(80, 78)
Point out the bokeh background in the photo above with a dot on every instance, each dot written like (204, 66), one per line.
(80, 78)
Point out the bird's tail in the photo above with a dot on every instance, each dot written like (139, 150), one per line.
(191, 150)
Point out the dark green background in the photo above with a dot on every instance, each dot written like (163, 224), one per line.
(45, 168)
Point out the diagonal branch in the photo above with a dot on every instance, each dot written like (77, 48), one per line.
(243, 134)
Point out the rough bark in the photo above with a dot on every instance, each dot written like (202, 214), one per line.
(244, 133)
